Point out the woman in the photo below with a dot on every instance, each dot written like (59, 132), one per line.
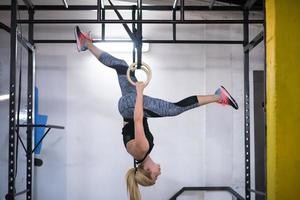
(135, 108)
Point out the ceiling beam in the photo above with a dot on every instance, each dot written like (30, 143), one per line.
(167, 41)
(146, 21)
(125, 7)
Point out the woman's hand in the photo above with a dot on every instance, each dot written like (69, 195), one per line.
(140, 86)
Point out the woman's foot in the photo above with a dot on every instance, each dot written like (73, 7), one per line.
(82, 39)
(226, 98)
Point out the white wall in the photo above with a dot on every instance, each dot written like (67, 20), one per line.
(87, 160)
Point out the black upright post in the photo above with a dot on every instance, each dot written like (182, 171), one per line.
(247, 107)
(98, 10)
(174, 24)
(12, 102)
(30, 109)
(103, 24)
(101, 16)
(182, 10)
(139, 34)
(134, 32)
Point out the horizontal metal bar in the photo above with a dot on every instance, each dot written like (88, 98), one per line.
(218, 188)
(256, 40)
(195, 41)
(41, 125)
(114, 21)
(221, 188)
(125, 7)
(21, 39)
(152, 41)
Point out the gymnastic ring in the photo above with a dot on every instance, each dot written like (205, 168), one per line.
(146, 68)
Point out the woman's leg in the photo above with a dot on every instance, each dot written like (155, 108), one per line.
(119, 65)
(206, 99)
(84, 42)
(154, 107)
(94, 50)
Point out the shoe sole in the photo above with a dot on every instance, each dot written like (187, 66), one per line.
(231, 99)
(77, 38)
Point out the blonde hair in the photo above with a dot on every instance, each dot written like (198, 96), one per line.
(135, 177)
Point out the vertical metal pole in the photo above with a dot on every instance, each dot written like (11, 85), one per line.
(247, 107)
(174, 24)
(181, 10)
(134, 32)
(12, 101)
(101, 16)
(140, 15)
(139, 34)
(30, 110)
(98, 10)
(174, 19)
(103, 24)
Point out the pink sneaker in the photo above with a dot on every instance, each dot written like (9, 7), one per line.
(226, 98)
(82, 39)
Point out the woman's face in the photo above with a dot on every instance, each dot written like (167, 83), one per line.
(154, 171)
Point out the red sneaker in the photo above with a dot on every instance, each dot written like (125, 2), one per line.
(226, 98)
(82, 39)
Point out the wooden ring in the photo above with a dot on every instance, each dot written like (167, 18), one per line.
(146, 68)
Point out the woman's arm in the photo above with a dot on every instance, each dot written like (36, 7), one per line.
(141, 142)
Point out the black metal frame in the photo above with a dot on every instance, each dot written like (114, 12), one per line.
(29, 149)
(137, 31)
(129, 7)
(247, 108)
(13, 128)
(208, 189)
(25, 43)
(30, 110)
(12, 101)
(248, 46)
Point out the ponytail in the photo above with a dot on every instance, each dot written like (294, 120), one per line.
(135, 177)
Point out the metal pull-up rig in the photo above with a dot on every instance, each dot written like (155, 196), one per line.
(136, 35)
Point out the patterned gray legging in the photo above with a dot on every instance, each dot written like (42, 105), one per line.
(153, 107)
